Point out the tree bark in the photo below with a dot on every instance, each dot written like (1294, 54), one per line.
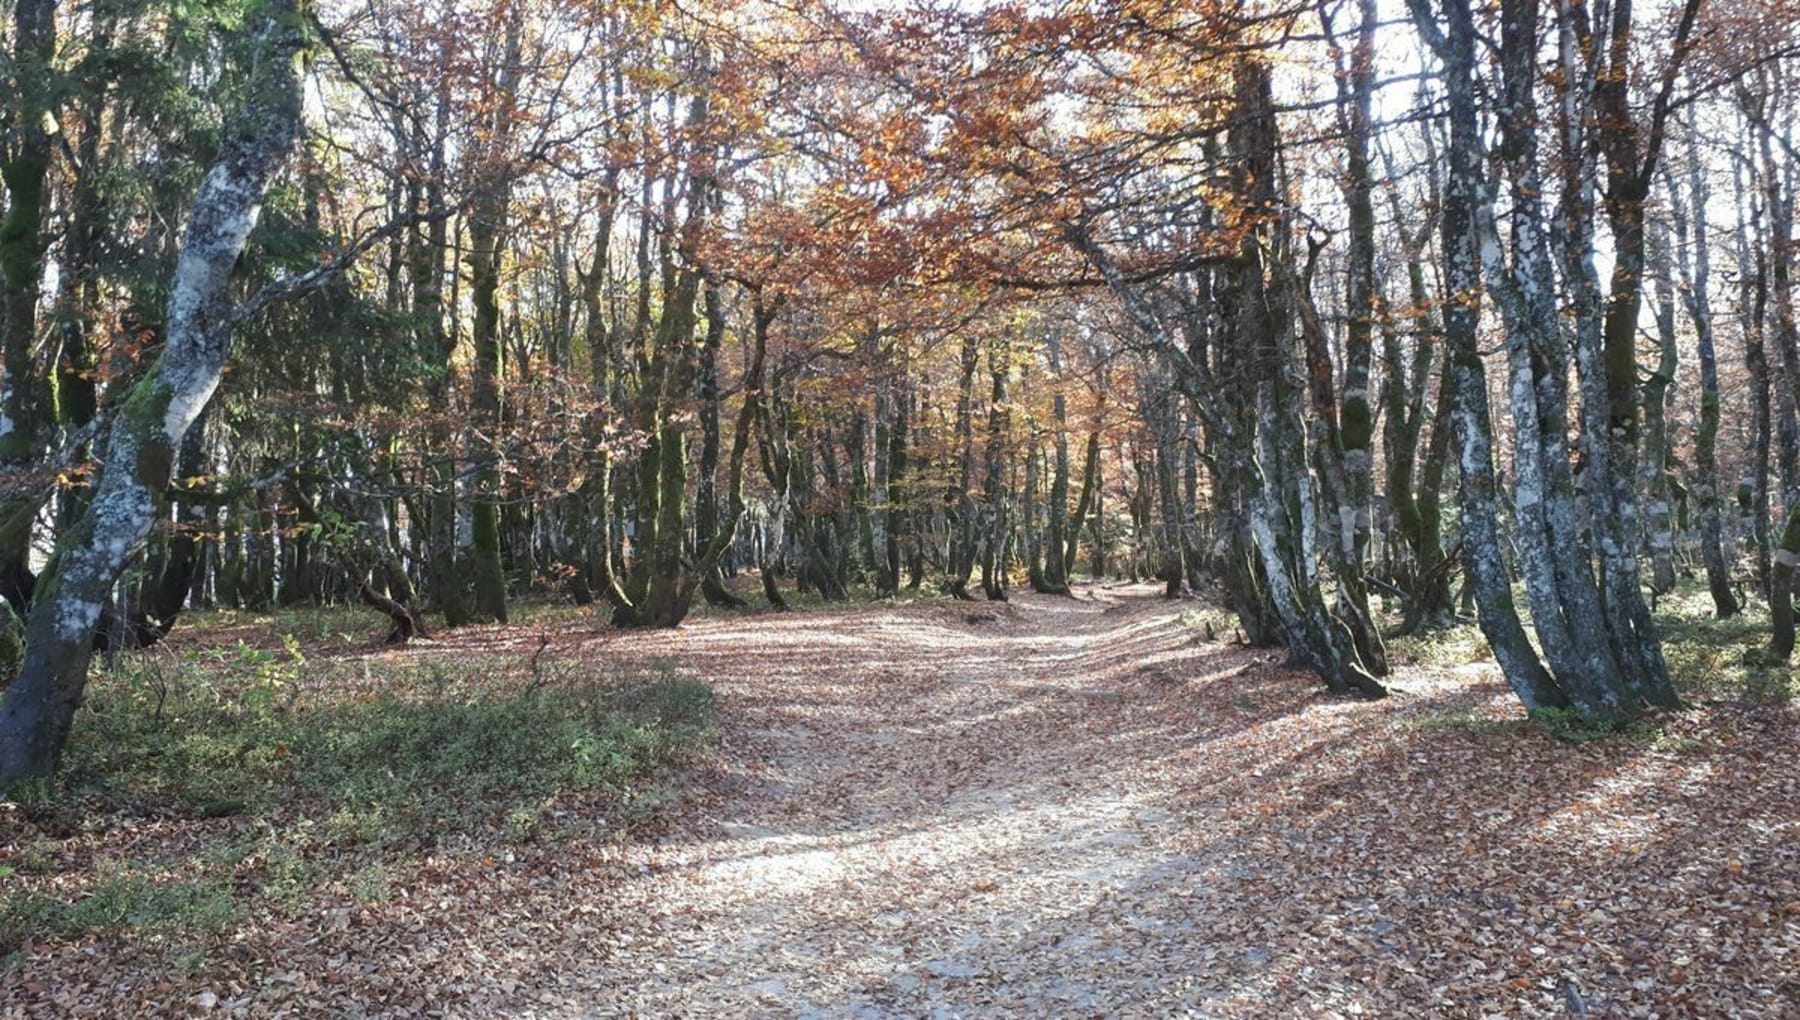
(148, 428)
(1464, 195)
(1712, 545)
(23, 167)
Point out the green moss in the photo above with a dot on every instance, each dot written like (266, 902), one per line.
(1358, 425)
(1441, 649)
(1568, 725)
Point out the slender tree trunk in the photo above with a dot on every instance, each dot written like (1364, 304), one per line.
(1084, 505)
(959, 501)
(1655, 463)
(1753, 490)
(1053, 579)
(994, 495)
(706, 499)
(1781, 586)
(1034, 540)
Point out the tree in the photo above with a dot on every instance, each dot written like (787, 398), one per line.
(150, 424)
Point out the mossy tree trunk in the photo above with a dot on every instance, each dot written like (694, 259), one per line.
(1753, 488)
(1462, 208)
(1781, 583)
(1782, 323)
(24, 165)
(426, 249)
(1284, 498)
(707, 526)
(1632, 145)
(152, 420)
(660, 589)
(1656, 459)
(1350, 433)
(487, 224)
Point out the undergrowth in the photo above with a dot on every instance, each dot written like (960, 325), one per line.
(297, 776)
(1721, 659)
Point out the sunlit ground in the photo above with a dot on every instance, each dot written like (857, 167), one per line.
(1056, 806)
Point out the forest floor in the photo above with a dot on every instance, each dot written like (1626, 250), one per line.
(1056, 806)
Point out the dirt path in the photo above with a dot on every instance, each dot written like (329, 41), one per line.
(944, 810)
(1079, 807)
(1056, 807)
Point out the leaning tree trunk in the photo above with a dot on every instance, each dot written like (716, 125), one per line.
(165, 594)
(151, 421)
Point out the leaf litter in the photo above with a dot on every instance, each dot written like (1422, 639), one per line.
(1070, 807)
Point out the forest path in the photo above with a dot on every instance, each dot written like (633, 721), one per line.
(935, 810)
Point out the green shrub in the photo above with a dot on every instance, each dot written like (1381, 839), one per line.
(1568, 725)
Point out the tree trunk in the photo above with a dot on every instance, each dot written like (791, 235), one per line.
(25, 166)
(1753, 489)
(1655, 465)
(1462, 209)
(959, 500)
(1611, 439)
(994, 494)
(1284, 500)
(148, 428)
